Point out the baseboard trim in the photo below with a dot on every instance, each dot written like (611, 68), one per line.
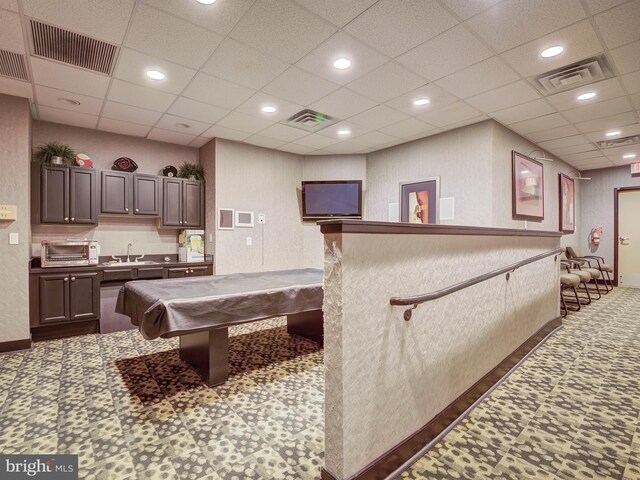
(15, 345)
(395, 458)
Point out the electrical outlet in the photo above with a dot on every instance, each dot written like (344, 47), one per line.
(8, 212)
(13, 239)
(262, 218)
(249, 241)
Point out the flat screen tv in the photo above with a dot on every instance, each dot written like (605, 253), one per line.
(332, 199)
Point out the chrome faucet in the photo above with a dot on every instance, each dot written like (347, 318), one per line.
(129, 252)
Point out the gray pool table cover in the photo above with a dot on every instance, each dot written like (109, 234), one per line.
(171, 307)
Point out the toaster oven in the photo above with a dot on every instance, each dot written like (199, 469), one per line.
(68, 253)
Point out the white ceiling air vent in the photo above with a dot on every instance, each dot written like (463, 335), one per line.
(69, 47)
(619, 142)
(12, 65)
(309, 120)
(591, 70)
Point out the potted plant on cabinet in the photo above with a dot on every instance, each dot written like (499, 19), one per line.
(191, 171)
(55, 153)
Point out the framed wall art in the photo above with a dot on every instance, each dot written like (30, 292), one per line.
(528, 188)
(419, 201)
(244, 219)
(567, 204)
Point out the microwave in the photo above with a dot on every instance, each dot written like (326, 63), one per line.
(68, 253)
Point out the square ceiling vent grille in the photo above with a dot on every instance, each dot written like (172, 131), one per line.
(309, 120)
(72, 48)
(13, 65)
(591, 70)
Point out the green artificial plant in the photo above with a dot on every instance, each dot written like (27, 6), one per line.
(188, 170)
(48, 150)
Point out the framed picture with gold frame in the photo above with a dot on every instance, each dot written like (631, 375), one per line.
(528, 188)
(567, 204)
(419, 201)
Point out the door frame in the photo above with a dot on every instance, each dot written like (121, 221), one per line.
(616, 234)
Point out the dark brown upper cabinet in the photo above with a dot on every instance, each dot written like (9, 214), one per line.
(67, 195)
(182, 203)
(125, 193)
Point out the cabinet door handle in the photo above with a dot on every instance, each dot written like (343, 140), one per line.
(66, 219)
(191, 271)
(137, 209)
(72, 219)
(126, 209)
(66, 279)
(73, 279)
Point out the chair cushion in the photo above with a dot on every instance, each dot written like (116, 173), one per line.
(582, 274)
(595, 273)
(606, 268)
(569, 279)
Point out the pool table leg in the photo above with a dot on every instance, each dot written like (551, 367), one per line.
(208, 354)
(308, 325)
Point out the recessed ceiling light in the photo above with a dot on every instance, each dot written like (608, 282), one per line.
(69, 101)
(342, 63)
(344, 131)
(183, 125)
(155, 74)
(613, 133)
(629, 155)
(269, 109)
(206, 2)
(586, 96)
(552, 51)
(421, 101)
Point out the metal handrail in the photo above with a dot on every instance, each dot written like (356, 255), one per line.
(418, 299)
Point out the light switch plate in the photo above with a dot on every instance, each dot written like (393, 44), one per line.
(249, 241)
(13, 239)
(8, 212)
(262, 218)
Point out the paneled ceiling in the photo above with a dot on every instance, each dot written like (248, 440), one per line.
(223, 62)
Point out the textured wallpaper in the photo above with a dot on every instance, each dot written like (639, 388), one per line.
(386, 378)
(15, 157)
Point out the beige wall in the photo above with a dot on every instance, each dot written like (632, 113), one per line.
(103, 148)
(207, 157)
(262, 181)
(597, 197)
(385, 378)
(15, 155)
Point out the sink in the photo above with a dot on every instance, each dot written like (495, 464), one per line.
(129, 264)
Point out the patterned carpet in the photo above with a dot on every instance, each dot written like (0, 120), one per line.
(131, 410)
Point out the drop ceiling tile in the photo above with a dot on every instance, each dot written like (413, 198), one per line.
(373, 139)
(344, 147)
(163, 36)
(526, 111)
(615, 154)
(454, 113)
(552, 133)
(540, 123)
(216, 91)
(592, 164)
(228, 133)
(17, 88)
(170, 137)
(468, 121)
(338, 13)
(295, 148)
(254, 105)
(332, 132)
(408, 128)
(199, 142)
(620, 25)
(507, 96)
(244, 123)
(127, 113)
(320, 60)
(343, 104)
(631, 82)
(316, 141)
(563, 142)
(514, 22)
(57, 75)
(300, 87)
(219, 16)
(386, 82)
(635, 100)
(605, 90)
(171, 122)
(579, 41)
(445, 54)
(437, 97)
(597, 6)
(626, 58)
(124, 128)
(481, 77)
(626, 131)
(585, 147)
(283, 29)
(572, 157)
(465, 8)
(378, 117)
(11, 32)
(202, 112)
(138, 96)
(50, 97)
(607, 123)
(598, 110)
(56, 115)
(132, 67)
(265, 142)
(245, 66)
(9, 5)
(96, 18)
(414, 22)
(283, 132)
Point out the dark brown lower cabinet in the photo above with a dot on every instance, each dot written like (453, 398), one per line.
(181, 272)
(84, 296)
(53, 298)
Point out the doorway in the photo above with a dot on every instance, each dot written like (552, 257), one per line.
(627, 237)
